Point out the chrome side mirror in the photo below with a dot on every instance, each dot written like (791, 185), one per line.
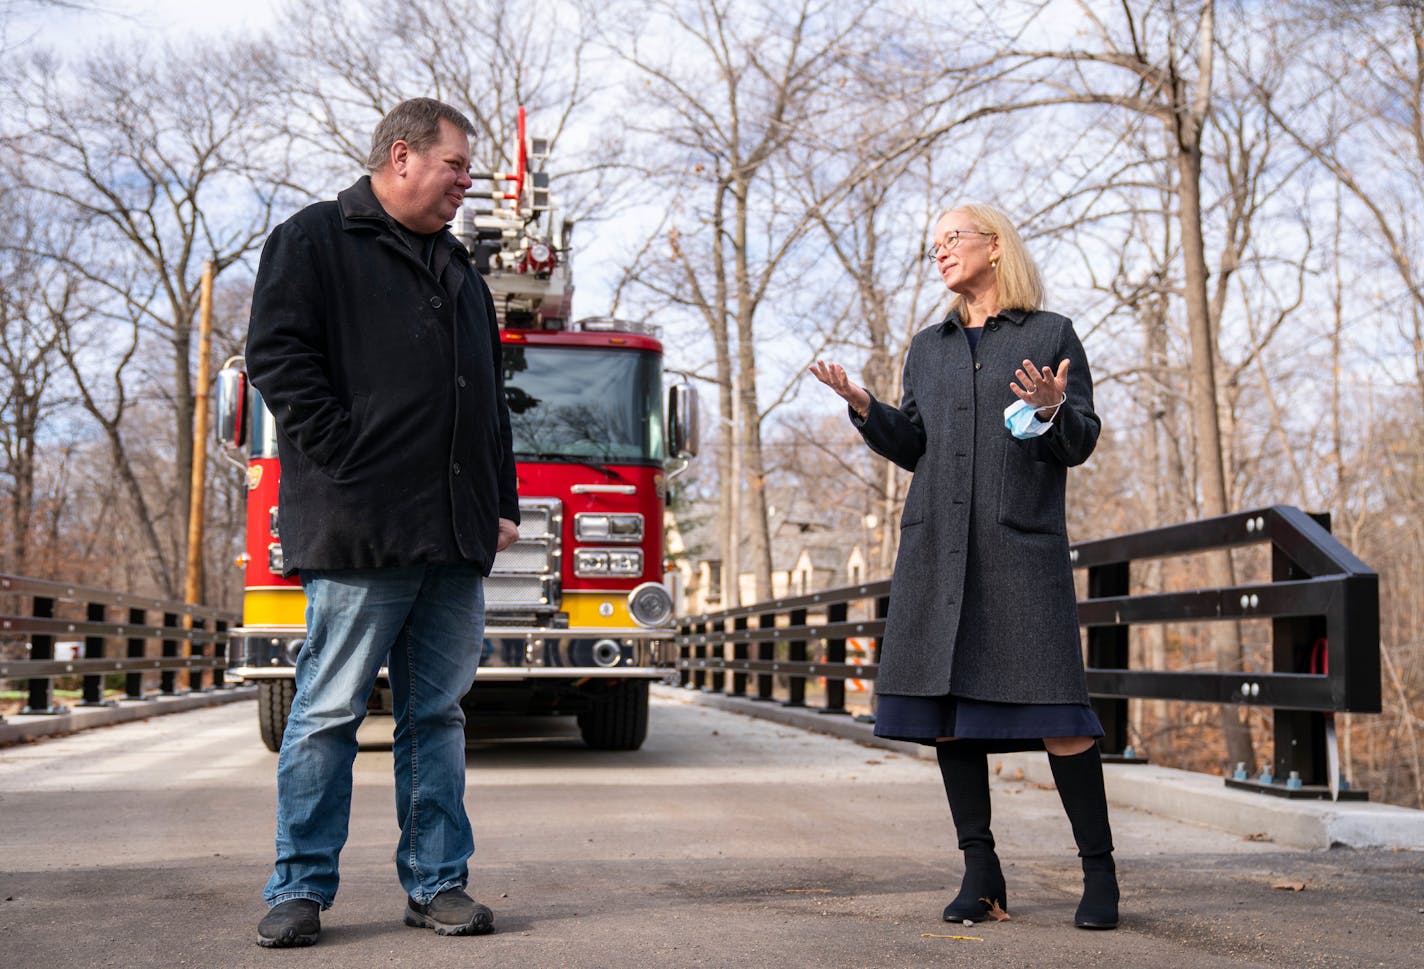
(230, 421)
(682, 428)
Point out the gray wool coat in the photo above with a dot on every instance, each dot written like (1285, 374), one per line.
(982, 603)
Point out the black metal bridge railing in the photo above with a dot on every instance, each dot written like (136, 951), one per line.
(1322, 601)
(120, 633)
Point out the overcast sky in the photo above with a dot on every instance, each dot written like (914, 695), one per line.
(60, 26)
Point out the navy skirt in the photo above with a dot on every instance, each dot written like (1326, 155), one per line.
(997, 727)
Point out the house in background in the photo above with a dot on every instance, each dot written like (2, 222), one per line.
(811, 549)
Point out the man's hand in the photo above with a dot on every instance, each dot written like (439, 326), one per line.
(508, 534)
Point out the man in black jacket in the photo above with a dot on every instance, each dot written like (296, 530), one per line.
(374, 343)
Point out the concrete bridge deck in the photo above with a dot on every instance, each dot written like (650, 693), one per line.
(726, 841)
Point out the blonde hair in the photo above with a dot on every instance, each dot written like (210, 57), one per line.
(1020, 286)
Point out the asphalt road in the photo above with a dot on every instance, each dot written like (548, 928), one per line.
(726, 841)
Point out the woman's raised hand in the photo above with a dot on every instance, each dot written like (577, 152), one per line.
(1041, 388)
(834, 376)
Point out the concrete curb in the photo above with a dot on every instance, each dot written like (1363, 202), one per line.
(20, 728)
(1164, 791)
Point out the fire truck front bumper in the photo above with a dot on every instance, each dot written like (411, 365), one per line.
(509, 653)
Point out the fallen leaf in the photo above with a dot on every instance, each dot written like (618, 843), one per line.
(995, 912)
(957, 938)
(1258, 836)
(807, 891)
(1290, 886)
(998, 767)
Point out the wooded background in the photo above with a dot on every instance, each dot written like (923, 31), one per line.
(1227, 198)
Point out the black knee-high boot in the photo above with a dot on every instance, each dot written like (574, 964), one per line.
(966, 782)
(1080, 786)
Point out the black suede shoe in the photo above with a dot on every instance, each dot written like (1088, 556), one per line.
(981, 891)
(452, 912)
(295, 922)
(1098, 909)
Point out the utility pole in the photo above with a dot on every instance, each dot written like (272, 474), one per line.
(193, 591)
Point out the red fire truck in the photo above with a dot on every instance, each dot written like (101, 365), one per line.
(578, 616)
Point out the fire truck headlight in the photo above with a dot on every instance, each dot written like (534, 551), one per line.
(274, 558)
(590, 561)
(608, 561)
(589, 527)
(650, 604)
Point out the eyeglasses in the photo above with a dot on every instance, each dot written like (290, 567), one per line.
(953, 239)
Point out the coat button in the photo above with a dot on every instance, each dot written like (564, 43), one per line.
(455, 467)
(460, 381)
(978, 365)
(436, 302)
(993, 325)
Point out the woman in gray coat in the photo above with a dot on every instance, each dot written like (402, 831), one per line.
(981, 650)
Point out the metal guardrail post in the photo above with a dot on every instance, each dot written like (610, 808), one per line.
(766, 652)
(796, 652)
(169, 678)
(836, 612)
(739, 652)
(198, 648)
(1108, 649)
(1299, 645)
(135, 648)
(701, 651)
(684, 675)
(714, 680)
(41, 689)
(220, 648)
(94, 649)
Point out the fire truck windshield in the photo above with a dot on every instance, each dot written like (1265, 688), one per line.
(585, 403)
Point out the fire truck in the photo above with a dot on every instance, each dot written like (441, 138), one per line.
(578, 618)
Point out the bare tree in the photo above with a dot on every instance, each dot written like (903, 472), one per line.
(729, 88)
(158, 158)
(344, 67)
(33, 309)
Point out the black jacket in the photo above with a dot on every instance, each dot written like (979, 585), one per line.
(982, 601)
(384, 376)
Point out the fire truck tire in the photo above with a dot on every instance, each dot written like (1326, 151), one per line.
(274, 703)
(619, 720)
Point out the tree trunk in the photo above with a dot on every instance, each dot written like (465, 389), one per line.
(1211, 470)
(753, 461)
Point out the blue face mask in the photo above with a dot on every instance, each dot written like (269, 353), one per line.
(1021, 418)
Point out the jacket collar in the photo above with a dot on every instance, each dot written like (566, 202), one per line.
(360, 209)
(1015, 316)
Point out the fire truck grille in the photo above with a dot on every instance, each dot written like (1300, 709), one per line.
(516, 590)
(526, 575)
(534, 520)
(524, 556)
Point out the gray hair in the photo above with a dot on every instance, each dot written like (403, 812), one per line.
(417, 123)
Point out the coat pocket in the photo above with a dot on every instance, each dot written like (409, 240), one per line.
(913, 511)
(349, 453)
(1031, 493)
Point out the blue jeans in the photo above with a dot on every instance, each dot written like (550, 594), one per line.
(426, 624)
